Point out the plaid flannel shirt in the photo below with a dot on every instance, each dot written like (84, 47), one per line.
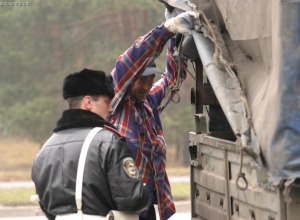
(140, 123)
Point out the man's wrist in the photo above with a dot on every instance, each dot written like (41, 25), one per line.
(168, 25)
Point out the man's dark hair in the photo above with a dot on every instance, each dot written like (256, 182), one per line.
(75, 102)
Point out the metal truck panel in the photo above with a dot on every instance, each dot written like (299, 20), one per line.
(215, 195)
(261, 101)
(245, 211)
(262, 39)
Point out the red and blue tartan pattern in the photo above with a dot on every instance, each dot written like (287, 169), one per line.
(140, 123)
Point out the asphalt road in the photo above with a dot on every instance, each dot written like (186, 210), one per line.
(177, 216)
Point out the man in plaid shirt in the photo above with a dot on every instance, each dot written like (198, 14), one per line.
(137, 107)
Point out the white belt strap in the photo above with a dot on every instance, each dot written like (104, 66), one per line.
(80, 169)
(116, 215)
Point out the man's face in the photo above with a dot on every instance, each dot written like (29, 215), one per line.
(142, 87)
(102, 107)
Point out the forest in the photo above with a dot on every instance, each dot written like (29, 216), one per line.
(43, 42)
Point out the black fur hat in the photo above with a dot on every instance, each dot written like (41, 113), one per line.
(88, 82)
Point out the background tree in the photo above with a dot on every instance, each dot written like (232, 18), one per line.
(45, 41)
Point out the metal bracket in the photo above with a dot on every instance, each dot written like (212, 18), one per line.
(193, 95)
(200, 121)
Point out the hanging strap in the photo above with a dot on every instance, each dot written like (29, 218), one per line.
(80, 169)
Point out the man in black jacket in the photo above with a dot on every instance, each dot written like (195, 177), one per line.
(111, 180)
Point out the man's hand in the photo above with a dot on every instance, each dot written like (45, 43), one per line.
(184, 23)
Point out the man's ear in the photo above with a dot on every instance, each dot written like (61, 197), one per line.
(87, 103)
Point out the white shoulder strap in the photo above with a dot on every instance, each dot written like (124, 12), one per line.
(80, 169)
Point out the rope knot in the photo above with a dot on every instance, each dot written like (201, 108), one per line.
(169, 95)
(175, 88)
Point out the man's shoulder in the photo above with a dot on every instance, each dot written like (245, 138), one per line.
(115, 131)
(107, 134)
(113, 139)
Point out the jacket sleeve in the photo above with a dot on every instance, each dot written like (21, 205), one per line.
(126, 186)
(157, 92)
(132, 63)
(47, 214)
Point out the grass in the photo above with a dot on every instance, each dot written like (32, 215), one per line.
(178, 171)
(16, 158)
(16, 196)
(181, 191)
(15, 176)
(20, 196)
(17, 154)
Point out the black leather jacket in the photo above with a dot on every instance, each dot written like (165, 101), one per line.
(107, 183)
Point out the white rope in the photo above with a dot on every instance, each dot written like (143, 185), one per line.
(232, 70)
(173, 88)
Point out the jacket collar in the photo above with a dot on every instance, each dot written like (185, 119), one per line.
(78, 118)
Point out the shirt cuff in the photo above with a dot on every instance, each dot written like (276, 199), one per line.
(165, 30)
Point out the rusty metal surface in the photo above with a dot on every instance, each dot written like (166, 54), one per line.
(210, 205)
(199, 87)
(209, 97)
(245, 211)
(215, 194)
(212, 141)
(193, 96)
(293, 209)
(227, 135)
(225, 87)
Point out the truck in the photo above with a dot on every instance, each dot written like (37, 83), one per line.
(245, 160)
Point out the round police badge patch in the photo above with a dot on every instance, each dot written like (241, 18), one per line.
(130, 168)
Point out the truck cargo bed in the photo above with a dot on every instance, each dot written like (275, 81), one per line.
(215, 195)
